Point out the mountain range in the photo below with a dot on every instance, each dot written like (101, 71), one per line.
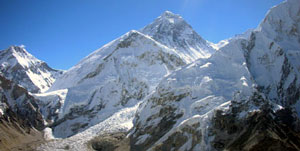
(162, 87)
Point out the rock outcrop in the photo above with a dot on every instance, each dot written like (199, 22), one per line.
(20, 119)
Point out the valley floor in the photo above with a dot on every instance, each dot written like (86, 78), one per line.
(14, 140)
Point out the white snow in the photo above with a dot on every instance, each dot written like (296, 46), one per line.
(129, 67)
(223, 43)
(121, 121)
(122, 67)
(210, 85)
(277, 45)
(50, 100)
(139, 63)
(205, 65)
(255, 58)
(172, 31)
(38, 76)
(48, 134)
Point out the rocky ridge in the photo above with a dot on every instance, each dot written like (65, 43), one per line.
(20, 118)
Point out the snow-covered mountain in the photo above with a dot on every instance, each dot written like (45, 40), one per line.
(122, 73)
(18, 65)
(118, 75)
(173, 31)
(273, 54)
(189, 97)
(243, 97)
(171, 87)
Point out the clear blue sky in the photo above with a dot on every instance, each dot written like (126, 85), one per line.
(62, 32)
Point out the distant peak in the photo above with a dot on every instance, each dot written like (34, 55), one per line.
(166, 22)
(17, 49)
(168, 14)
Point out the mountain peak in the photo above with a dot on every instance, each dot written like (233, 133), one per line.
(17, 49)
(168, 18)
(168, 14)
(167, 23)
(18, 65)
(174, 32)
(283, 21)
(18, 54)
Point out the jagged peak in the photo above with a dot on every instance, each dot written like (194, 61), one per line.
(283, 21)
(17, 49)
(173, 31)
(168, 17)
(166, 22)
(287, 11)
(168, 14)
(18, 54)
(31, 73)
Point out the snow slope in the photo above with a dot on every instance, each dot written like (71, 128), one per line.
(118, 75)
(190, 96)
(120, 121)
(18, 65)
(123, 72)
(51, 104)
(273, 51)
(194, 91)
(250, 76)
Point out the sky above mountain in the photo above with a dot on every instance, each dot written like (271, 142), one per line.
(63, 32)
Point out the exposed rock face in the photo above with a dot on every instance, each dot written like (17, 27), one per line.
(110, 142)
(254, 124)
(264, 129)
(18, 65)
(20, 118)
(167, 117)
(17, 99)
